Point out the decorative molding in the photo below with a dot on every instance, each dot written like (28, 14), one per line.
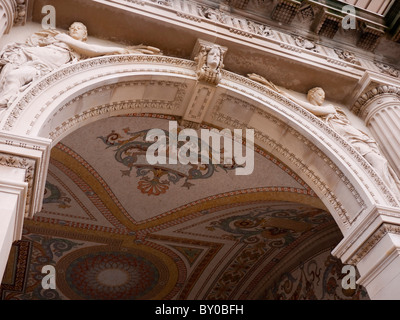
(173, 104)
(375, 92)
(235, 23)
(318, 123)
(199, 12)
(322, 186)
(305, 43)
(19, 189)
(347, 56)
(371, 242)
(189, 124)
(389, 70)
(36, 88)
(31, 154)
(29, 165)
(199, 103)
(131, 105)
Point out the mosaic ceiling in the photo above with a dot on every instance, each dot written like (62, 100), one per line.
(116, 228)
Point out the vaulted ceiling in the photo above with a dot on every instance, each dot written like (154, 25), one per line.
(115, 227)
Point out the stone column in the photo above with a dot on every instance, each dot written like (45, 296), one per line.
(13, 191)
(380, 108)
(23, 170)
(374, 247)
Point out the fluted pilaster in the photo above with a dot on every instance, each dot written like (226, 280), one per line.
(380, 108)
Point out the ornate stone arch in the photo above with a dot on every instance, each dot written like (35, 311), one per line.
(97, 88)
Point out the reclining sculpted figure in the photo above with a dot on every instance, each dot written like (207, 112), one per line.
(47, 50)
(334, 117)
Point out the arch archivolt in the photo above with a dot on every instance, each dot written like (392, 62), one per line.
(98, 88)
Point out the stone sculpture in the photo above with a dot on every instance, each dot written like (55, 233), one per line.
(47, 50)
(209, 63)
(334, 117)
(347, 56)
(304, 43)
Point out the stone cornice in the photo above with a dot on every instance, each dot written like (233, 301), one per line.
(384, 229)
(32, 155)
(364, 235)
(20, 189)
(240, 26)
(29, 165)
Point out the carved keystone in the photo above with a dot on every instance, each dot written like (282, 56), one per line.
(209, 57)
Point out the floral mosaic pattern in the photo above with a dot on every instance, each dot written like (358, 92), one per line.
(53, 194)
(44, 250)
(270, 225)
(112, 276)
(263, 231)
(130, 150)
(316, 279)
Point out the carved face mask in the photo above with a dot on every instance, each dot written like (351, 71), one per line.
(213, 58)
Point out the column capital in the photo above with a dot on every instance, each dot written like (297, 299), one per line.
(373, 245)
(349, 249)
(375, 99)
(31, 156)
(13, 192)
(23, 170)
(371, 87)
(19, 189)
